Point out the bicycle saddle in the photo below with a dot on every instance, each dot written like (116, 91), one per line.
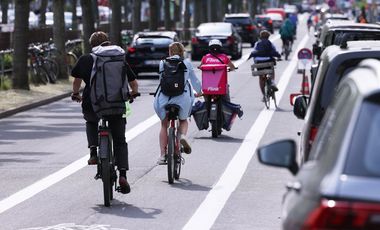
(173, 111)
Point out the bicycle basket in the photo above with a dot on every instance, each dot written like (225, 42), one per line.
(263, 68)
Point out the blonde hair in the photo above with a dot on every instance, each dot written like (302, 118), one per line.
(176, 48)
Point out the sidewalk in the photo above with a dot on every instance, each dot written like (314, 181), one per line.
(14, 101)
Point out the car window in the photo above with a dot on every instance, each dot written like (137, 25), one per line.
(363, 156)
(355, 36)
(244, 21)
(153, 41)
(333, 129)
(214, 29)
(333, 76)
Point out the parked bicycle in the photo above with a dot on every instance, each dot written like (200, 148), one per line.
(106, 167)
(38, 67)
(266, 70)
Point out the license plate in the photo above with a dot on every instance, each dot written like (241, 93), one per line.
(152, 62)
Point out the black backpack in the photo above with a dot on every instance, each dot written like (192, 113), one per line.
(173, 77)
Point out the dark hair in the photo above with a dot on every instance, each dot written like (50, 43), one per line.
(99, 38)
(264, 34)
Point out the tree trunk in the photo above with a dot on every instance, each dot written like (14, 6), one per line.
(4, 11)
(186, 23)
(167, 20)
(95, 12)
(177, 12)
(75, 16)
(20, 45)
(115, 33)
(88, 23)
(59, 37)
(197, 15)
(136, 17)
(42, 11)
(205, 10)
(153, 19)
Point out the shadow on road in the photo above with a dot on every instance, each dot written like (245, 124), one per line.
(127, 210)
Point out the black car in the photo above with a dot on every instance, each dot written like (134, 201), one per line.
(223, 31)
(334, 32)
(148, 48)
(245, 26)
(264, 22)
(335, 62)
(338, 188)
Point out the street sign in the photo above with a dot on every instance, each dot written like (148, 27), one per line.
(305, 57)
(331, 3)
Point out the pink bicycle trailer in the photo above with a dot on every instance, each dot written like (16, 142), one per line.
(214, 79)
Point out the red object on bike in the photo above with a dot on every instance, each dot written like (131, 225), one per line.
(305, 87)
(214, 79)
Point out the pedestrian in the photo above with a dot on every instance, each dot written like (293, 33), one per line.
(82, 72)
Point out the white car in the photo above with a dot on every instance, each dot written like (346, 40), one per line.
(276, 19)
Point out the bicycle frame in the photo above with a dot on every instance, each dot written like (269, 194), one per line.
(173, 147)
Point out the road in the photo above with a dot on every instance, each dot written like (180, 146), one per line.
(46, 184)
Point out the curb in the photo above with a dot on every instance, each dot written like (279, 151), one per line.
(33, 105)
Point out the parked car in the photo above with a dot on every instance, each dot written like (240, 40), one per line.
(224, 31)
(335, 62)
(245, 26)
(329, 16)
(148, 48)
(263, 22)
(277, 19)
(68, 17)
(280, 11)
(334, 32)
(338, 188)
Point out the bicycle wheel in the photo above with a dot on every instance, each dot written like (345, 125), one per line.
(52, 68)
(170, 159)
(40, 75)
(71, 59)
(266, 95)
(177, 165)
(106, 169)
(274, 99)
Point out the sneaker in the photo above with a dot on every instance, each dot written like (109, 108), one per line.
(161, 160)
(240, 113)
(274, 87)
(124, 185)
(93, 160)
(185, 144)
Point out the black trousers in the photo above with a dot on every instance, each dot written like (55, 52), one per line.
(117, 125)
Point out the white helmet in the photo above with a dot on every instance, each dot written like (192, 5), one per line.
(215, 42)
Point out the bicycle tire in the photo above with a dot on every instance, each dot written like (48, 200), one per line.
(170, 155)
(105, 147)
(71, 60)
(266, 97)
(41, 75)
(52, 68)
(214, 129)
(177, 166)
(274, 99)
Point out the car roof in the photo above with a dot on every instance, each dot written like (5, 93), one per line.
(169, 34)
(350, 24)
(238, 15)
(215, 24)
(352, 46)
(369, 83)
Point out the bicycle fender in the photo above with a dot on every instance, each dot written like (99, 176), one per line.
(213, 112)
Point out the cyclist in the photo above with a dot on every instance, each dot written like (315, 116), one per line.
(184, 101)
(216, 56)
(287, 33)
(309, 23)
(264, 51)
(82, 72)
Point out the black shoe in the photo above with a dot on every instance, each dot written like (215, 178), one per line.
(124, 185)
(240, 113)
(274, 87)
(93, 160)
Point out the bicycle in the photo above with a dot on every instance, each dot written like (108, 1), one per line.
(287, 48)
(174, 149)
(266, 70)
(106, 167)
(38, 72)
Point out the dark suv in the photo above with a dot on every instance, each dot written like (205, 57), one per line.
(245, 26)
(338, 187)
(335, 31)
(335, 62)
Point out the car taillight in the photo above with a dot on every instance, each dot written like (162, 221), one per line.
(270, 21)
(331, 214)
(313, 134)
(250, 27)
(230, 40)
(194, 40)
(131, 50)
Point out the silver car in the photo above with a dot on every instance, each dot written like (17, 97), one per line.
(339, 187)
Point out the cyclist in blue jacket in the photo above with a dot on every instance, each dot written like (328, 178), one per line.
(264, 51)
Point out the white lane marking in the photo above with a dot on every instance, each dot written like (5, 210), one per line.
(50, 180)
(245, 57)
(206, 214)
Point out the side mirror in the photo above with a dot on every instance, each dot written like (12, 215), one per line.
(300, 107)
(279, 154)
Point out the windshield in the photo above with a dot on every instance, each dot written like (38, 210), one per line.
(208, 30)
(153, 41)
(234, 21)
